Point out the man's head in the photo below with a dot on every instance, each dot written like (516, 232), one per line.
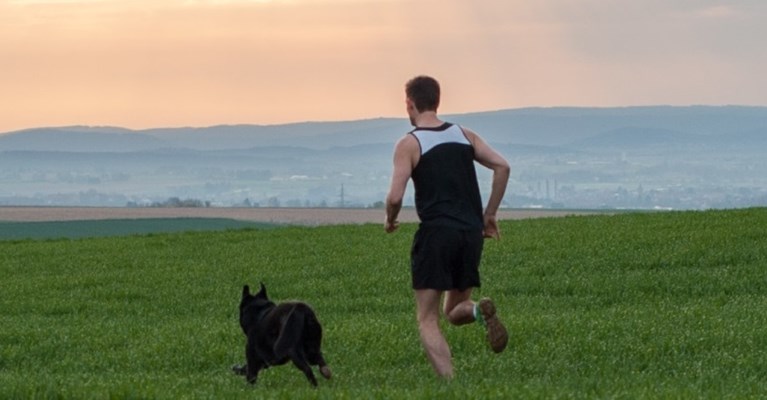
(422, 94)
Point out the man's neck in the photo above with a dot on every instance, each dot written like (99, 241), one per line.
(427, 119)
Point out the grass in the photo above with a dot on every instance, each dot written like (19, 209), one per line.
(662, 305)
(117, 227)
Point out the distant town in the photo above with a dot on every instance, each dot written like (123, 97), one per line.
(562, 158)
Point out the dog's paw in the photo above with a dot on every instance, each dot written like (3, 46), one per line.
(325, 371)
(239, 369)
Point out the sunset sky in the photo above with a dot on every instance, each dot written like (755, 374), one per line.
(162, 63)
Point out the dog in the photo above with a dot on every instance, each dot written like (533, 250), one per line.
(278, 333)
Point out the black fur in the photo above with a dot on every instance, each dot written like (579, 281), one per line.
(278, 333)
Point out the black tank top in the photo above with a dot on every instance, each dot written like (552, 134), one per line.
(445, 181)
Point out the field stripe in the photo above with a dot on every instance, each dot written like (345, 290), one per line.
(118, 227)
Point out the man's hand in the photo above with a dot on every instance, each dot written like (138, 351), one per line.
(390, 226)
(491, 227)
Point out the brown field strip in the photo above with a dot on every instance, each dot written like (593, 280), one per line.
(299, 216)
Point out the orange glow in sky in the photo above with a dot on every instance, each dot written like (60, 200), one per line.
(160, 63)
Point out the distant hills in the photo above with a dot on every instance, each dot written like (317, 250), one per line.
(570, 127)
(314, 135)
(632, 157)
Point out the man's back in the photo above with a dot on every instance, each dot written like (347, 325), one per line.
(445, 180)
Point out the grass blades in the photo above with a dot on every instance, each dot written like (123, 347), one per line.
(118, 227)
(646, 305)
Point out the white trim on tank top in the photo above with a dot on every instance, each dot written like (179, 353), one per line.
(430, 138)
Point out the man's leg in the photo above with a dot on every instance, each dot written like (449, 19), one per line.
(434, 343)
(460, 310)
(458, 307)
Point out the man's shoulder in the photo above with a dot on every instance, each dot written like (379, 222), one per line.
(407, 143)
(409, 137)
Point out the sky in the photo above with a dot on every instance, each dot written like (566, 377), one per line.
(169, 63)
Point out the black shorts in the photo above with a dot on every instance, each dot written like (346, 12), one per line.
(446, 258)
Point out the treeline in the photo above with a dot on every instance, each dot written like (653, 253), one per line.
(172, 203)
(175, 202)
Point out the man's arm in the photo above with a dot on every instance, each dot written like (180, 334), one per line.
(405, 156)
(488, 157)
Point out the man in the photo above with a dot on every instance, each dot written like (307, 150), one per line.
(447, 247)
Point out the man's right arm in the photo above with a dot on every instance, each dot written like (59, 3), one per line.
(403, 168)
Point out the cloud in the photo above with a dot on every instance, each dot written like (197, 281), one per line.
(718, 12)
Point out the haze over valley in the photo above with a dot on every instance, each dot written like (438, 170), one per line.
(661, 157)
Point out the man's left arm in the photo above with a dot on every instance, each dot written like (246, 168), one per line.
(489, 158)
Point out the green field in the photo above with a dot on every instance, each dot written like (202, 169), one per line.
(638, 305)
(117, 227)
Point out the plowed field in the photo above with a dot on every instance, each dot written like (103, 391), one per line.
(299, 216)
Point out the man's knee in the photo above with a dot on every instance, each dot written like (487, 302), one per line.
(428, 322)
(457, 318)
(448, 311)
(459, 314)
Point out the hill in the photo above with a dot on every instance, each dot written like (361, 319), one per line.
(529, 126)
(632, 157)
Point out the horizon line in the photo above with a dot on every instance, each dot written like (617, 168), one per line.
(305, 122)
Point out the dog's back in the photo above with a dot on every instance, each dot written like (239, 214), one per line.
(300, 329)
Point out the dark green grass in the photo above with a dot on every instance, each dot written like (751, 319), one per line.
(117, 227)
(667, 305)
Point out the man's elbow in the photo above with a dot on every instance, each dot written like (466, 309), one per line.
(393, 201)
(503, 169)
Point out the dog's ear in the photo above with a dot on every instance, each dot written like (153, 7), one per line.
(262, 292)
(245, 291)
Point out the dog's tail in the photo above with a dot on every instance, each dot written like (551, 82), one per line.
(291, 335)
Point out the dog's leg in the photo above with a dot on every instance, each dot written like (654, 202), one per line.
(299, 360)
(254, 364)
(324, 369)
(314, 356)
(313, 343)
(252, 374)
(252, 370)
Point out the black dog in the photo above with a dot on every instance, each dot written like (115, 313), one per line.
(278, 333)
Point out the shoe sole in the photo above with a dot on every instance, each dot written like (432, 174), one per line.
(497, 335)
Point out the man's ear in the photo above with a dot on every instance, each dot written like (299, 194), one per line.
(410, 105)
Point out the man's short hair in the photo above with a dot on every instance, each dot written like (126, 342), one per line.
(423, 91)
